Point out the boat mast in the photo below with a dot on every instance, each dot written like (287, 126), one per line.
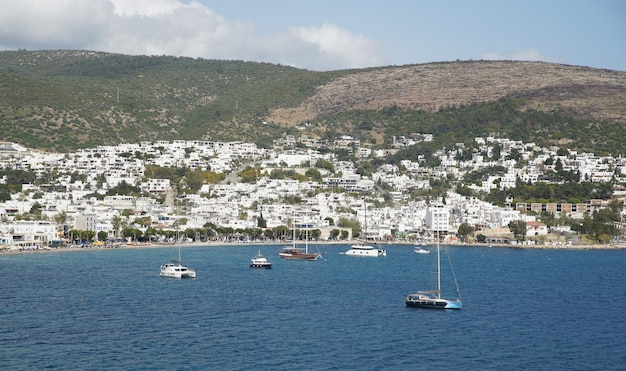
(365, 221)
(293, 228)
(438, 268)
(306, 238)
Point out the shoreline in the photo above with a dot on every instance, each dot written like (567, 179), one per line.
(7, 251)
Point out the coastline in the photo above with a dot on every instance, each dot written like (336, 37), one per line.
(6, 250)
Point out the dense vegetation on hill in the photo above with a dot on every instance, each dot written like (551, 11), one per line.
(63, 100)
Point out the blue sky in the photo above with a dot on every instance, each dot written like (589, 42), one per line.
(327, 35)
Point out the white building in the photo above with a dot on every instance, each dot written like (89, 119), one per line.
(437, 218)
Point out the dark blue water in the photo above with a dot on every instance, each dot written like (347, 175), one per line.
(109, 309)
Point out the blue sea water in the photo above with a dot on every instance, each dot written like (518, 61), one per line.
(109, 309)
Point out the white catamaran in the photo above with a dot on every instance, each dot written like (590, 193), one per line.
(175, 269)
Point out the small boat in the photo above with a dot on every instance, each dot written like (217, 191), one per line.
(432, 299)
(365, 250)
(175, 269)
(260, 261)
(420, 250)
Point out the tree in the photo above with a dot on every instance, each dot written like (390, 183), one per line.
(261, 222)
(330, 220)
(117, 223)
(145, 221)
(134, 233)
(518, 227)
(194, 180)
(60, 218)
(325, 164)
(314, 174)
(464, 231)
(102, 235)
(352, 224)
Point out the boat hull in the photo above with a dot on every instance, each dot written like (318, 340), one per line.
(298, 255)
(178, 274)
(432, 303)
(261, 265)
(365, 251)
(175, 270)
(288, 256)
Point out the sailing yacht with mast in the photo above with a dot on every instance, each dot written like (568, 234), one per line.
(296, 253)
(432, 299)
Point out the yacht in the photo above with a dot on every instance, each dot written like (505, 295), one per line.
(294, 253)
(365, 250)
(432, 298)
(260, 261)
(174, 269)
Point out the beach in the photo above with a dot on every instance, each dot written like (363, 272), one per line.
(16, 250)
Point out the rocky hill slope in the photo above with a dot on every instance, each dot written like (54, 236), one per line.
(582, 92)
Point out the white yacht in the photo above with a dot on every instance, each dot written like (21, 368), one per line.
(365, 250)
(260, 261)
(174, 269)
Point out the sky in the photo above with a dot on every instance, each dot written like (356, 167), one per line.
(325, 35)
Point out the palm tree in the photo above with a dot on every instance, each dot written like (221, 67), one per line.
(117, 223)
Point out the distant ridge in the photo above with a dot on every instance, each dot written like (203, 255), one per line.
(62, 100)
(582, 91)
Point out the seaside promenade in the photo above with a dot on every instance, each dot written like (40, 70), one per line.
(16, 250)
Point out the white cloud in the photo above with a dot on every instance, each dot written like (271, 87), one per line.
(58, 24)
(334, 45)
(145, 7)
(171, 27)
(520, 55)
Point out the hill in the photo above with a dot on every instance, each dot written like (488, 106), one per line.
(63, 100)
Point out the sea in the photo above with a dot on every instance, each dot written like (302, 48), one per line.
(108, 309)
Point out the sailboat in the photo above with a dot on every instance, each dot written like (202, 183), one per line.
(295, 253)
(175, 269)
(363, 249)
(432, 299)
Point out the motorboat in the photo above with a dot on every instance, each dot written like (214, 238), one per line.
(421, 250)
(260, 261)
(365, 250)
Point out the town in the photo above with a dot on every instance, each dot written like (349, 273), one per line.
(238, 192)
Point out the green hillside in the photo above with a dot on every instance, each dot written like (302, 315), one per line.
(63, 100)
